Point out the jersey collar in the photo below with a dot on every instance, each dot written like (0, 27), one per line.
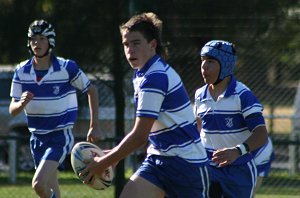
(29, 65)
(229, 91)
(145, 68)
(231, 87)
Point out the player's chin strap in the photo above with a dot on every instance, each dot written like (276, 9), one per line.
(44, 54)
(218, 80)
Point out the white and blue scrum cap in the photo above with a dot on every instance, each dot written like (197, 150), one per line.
(224, 53)
(44, 28)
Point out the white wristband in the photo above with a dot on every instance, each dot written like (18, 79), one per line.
(242, 149)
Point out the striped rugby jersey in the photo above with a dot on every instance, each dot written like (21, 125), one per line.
(54, 105)
(228, 121)
(160, 94)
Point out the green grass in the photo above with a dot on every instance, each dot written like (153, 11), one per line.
(279, 185)
(69, 184)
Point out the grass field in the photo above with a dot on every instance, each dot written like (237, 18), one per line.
(70, 187)
(279, 185)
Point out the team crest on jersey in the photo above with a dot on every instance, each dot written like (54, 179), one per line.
(55, 90)
(229, 122)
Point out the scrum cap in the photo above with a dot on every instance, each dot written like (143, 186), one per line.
(44, 28)
(224, 53)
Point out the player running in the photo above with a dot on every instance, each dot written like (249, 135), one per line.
(230, 119)
(44, 86)
(175, 165)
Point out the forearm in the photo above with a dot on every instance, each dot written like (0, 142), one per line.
(15, 108)
(93, 105)
(258, 138)
(127, 146)
(133, 140)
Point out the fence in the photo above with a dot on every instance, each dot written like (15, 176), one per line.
(274, 86)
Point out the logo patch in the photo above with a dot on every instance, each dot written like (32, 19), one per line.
(55, 90)
(229, 122)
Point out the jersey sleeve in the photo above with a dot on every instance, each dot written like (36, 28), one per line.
(252, 110)
(16, 87)
(77, 77)
(151, 95)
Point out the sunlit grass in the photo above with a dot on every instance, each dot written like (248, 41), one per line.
(279, 185)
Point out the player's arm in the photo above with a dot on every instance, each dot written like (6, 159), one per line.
(132, 141)
(226, 156)
(17, 107)
(258, 138)
(94, 130)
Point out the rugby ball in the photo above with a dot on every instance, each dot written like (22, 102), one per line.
(83, 151)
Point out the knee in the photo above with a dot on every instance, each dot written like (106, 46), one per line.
(39, 188)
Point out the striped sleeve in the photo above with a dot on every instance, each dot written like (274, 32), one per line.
(151, 95)
(77, 77)
(252, 110)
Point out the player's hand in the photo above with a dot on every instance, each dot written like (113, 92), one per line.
(94, 167)
(225, 156)
(94, 134)
(26, 97)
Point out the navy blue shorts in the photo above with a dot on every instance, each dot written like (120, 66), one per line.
(175, 176)
(234, 181)
(51, 146)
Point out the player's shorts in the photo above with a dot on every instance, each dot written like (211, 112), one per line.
(51, 146)
(175, 176)
(234, 181)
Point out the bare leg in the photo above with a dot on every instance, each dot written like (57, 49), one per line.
(45, 179)
(55, 185)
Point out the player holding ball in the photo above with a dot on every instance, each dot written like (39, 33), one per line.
(175, 165)
(230, 121)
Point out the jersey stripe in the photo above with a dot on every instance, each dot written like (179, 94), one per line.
(54, 105)
(160, 94)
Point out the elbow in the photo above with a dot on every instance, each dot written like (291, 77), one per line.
(12, 113)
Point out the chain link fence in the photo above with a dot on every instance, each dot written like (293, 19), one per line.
(273, 81)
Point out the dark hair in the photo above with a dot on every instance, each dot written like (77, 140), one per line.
(149, 25)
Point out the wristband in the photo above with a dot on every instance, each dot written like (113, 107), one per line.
(247, 147)
(239, 150)
(242, 149)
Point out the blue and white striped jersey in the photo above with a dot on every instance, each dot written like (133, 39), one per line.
(54, 105)
(160, 94)
(230, 120)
